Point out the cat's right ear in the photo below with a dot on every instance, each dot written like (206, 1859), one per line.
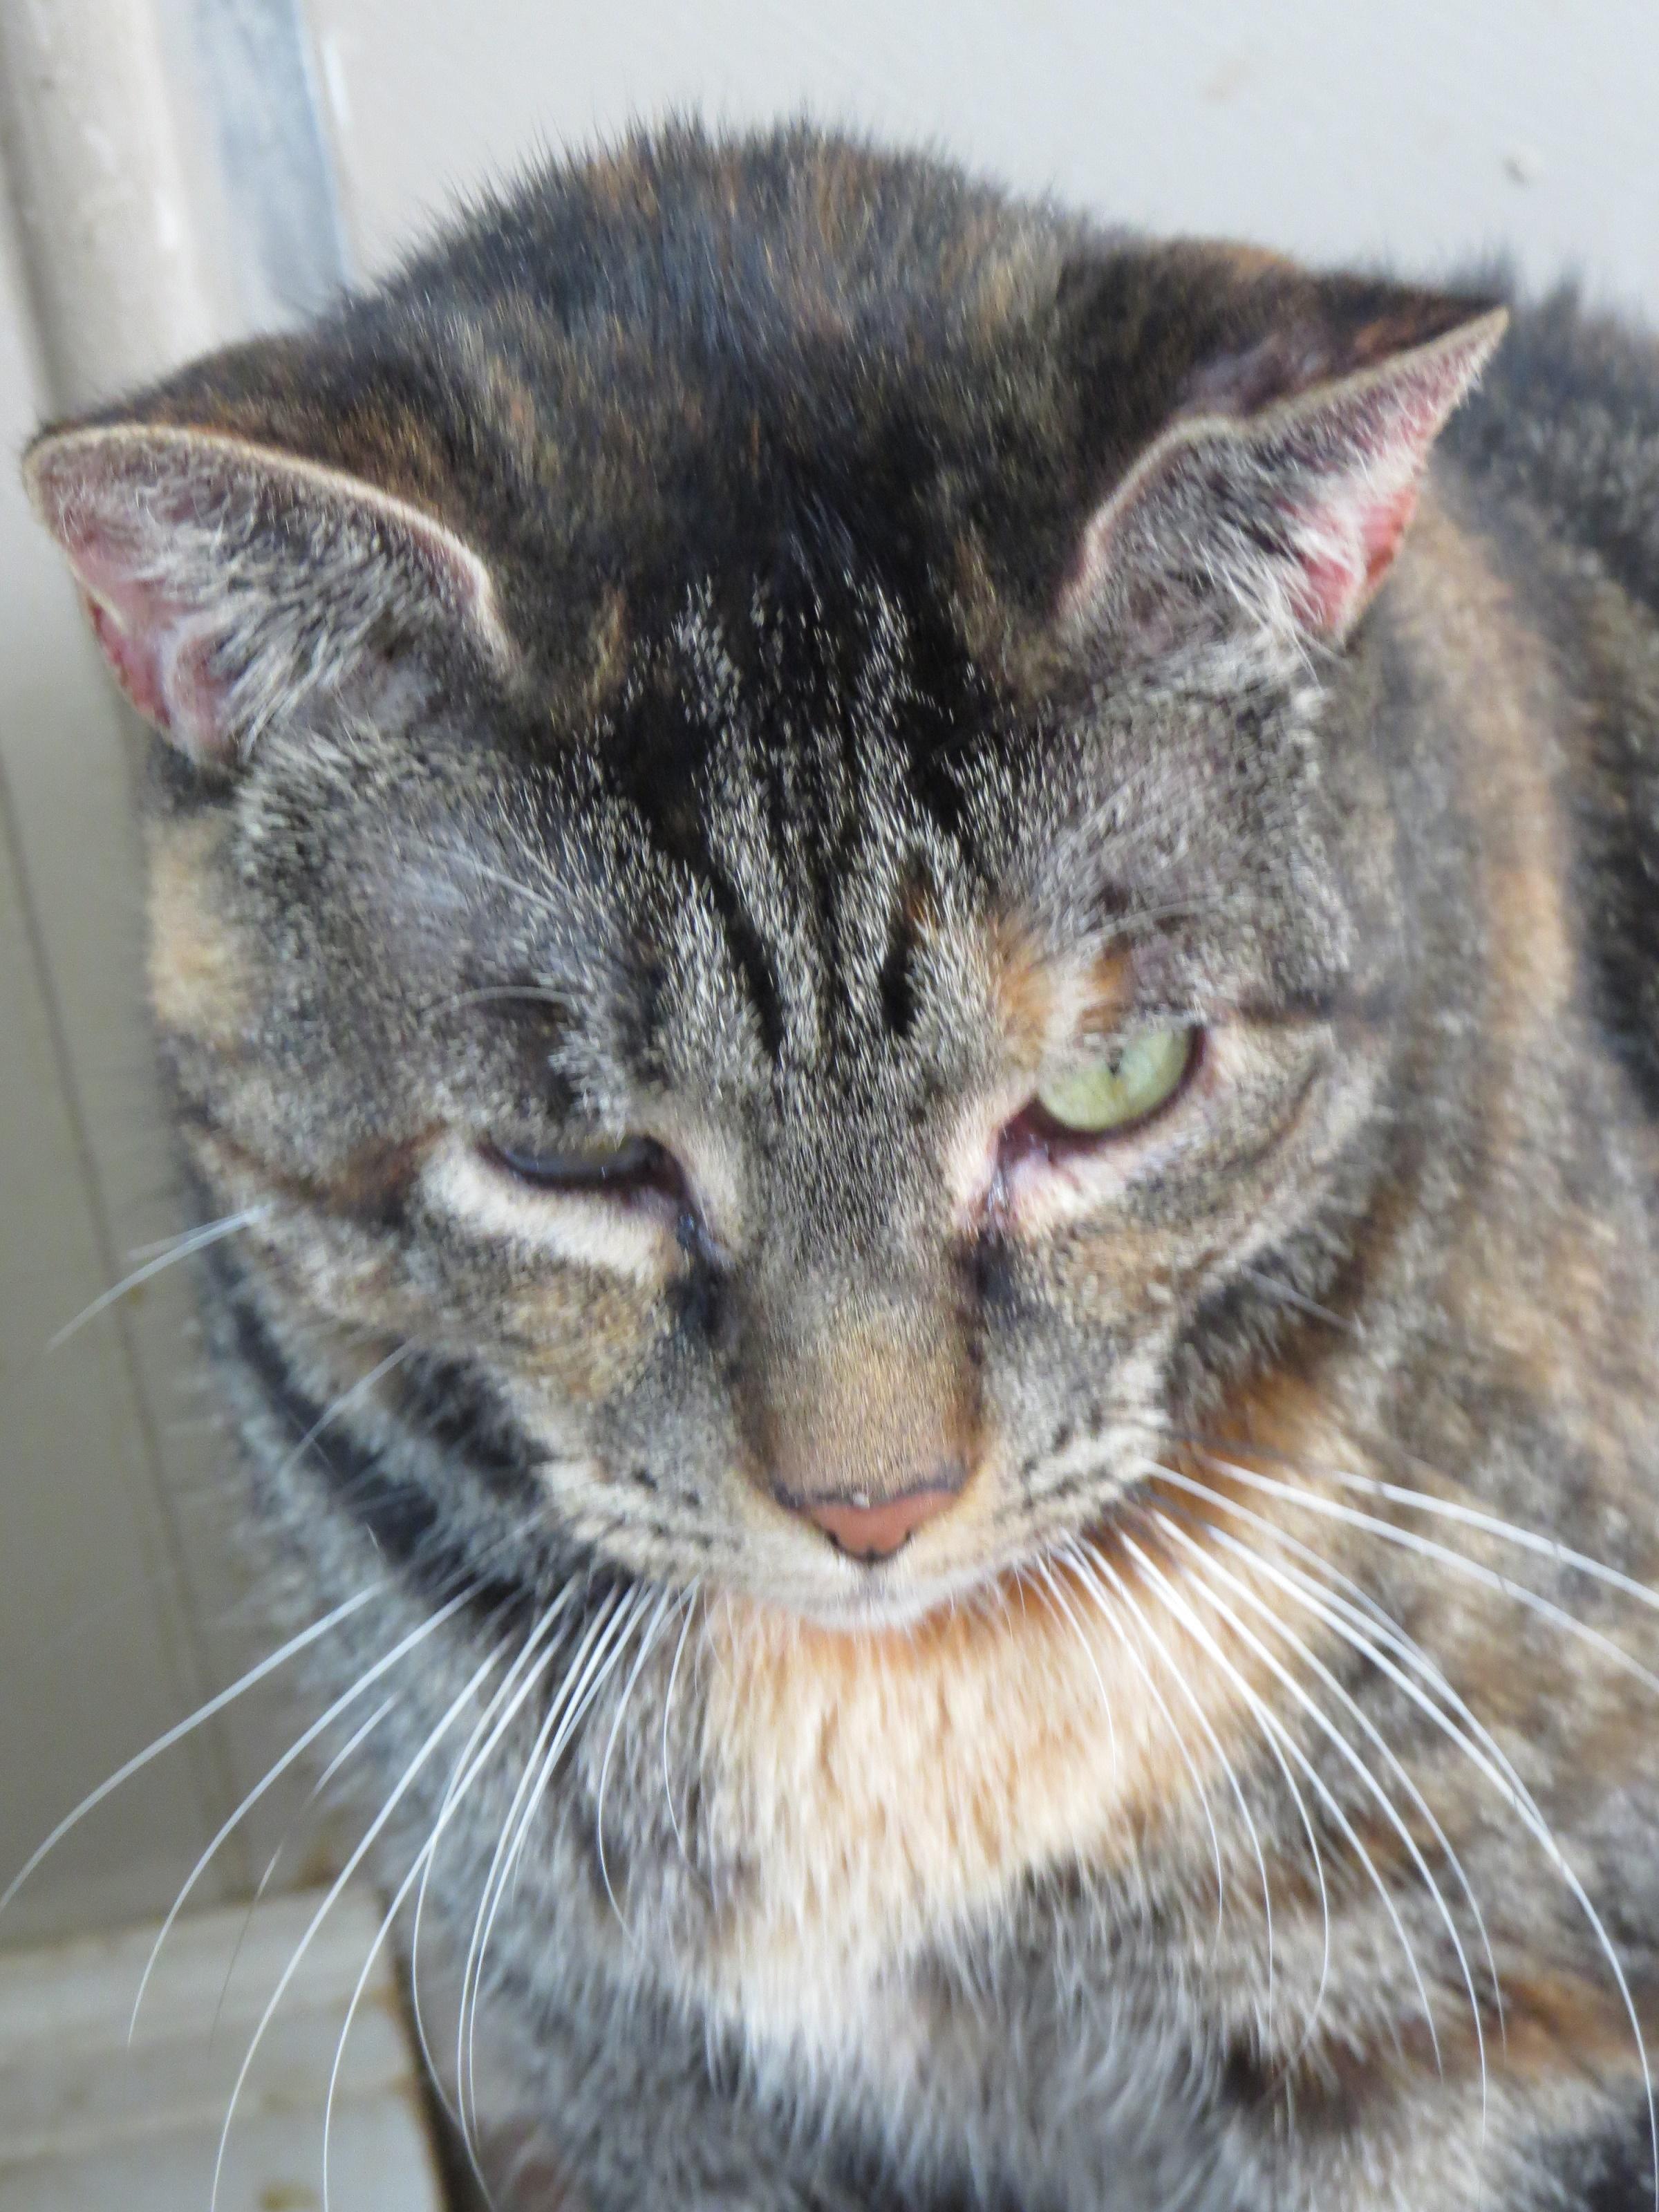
(227, 582)
(1272, 525)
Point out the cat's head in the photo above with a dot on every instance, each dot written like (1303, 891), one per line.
(769, 837)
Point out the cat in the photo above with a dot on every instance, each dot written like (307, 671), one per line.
(908, 958)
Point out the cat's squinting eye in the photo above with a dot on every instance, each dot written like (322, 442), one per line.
(1132, 1079)
(1129, 1083)
(638, 1167)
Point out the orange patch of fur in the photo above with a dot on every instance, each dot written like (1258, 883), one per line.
(1559, 1323)
(886, 1790)
(1042, 1004)
(1549, 2019)
(1508, 700)
(198, 985)
(889, 1786)
(1025, 992)
(363, 1181)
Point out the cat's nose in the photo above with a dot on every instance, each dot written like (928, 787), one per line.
(874, 1529)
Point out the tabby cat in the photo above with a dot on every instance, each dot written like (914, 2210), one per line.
(915, 995)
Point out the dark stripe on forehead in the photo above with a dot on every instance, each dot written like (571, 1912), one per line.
(747, 950)
(897, 986)
(782, 724)
(896, 983)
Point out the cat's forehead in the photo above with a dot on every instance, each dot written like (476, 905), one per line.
(810, 831)
(787, 766)
(839, 740)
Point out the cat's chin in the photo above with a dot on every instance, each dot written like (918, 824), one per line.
(874, 1612)
(886, 1598)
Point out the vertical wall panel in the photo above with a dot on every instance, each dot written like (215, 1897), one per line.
(121, 1603)
(94, 1652)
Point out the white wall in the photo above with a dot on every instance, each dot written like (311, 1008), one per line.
(1425, 130)
(1425, 133)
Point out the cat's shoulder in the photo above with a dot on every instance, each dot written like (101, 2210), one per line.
(1566, 423)
(1560, 453)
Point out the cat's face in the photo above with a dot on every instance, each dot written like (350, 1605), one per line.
(824, 1050)
(794, 957)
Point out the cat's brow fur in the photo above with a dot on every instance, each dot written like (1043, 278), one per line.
(740, 743)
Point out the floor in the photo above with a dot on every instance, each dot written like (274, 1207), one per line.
(91, 2123)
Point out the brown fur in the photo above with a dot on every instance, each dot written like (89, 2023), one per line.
(199, 987)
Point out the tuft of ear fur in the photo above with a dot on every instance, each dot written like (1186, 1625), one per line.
(227, 583)
(1285, 521)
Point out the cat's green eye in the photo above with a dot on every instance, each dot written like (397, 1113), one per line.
(1131, 1079)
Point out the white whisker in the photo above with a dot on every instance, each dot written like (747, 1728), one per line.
(358, 1737)
(182, 1729)
(319, 1788)
(485, 873)
(1279, 1743)
(336, 1407)
(360, 1852)
(176, 1248)
(1154, 1693)
(1359, 1607)
(596, 1633)
(647, 1644)
(1426, 1547)
(1089, 1567)
(1485, 1575)
(492, 1725)
(1212, 1567)
(1512, 1532)
(1370, 1634)
(492, 992)
(536, 1642)
(1327, 1798)
(274, 1774)
(601, 1666)
(667, 1708)
(1051, 1583)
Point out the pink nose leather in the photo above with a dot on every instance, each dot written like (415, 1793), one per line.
(874, 1532)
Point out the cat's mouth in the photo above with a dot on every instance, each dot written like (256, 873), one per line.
(1069, 1596)
(882, 1602)
(861, 1566)
(904, 1588)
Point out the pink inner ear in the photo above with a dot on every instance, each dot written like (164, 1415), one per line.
(1334, 581)
(1382, 527)
(133, 659)
(1352, 535)
(139, 628)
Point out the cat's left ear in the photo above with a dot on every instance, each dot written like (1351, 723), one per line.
(1278, 524)
(228, 583)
